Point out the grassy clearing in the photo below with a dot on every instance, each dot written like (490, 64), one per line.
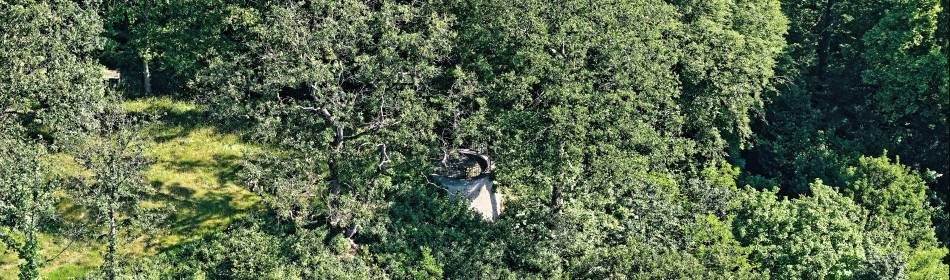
(196, 168)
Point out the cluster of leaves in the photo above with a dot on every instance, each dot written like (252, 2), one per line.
(51, 82)
(27, 203)
(249, 251)
(858, 78)
(611, 124)
(173, 38)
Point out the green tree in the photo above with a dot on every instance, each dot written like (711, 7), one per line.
(342, 87)
(815, 125)
(27, 200)
(899, 221)
(896, 198)
(249, 250)
(818, 237)
(928, 264)
(728, 55)
(592, 110)
(165, 43)
(829, 235)
(906, 66)
(429, 268)
(858, 77)
(50, 86)
(569, 83)
(564, 87)
(115, 190)
(132, 28)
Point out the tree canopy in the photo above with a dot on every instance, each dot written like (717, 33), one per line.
(728, 139)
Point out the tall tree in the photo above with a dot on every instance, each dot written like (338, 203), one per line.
(565, 85)
(132, 27)
(830, 235)
(896, 198)
(343, 87)
(50, 86)
(585, 109)
(906, 67)
(729, 50)
(27, 200)
(899, 214)
(167, 42)
(116, 190)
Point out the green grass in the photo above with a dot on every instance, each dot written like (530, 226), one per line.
(196, 169)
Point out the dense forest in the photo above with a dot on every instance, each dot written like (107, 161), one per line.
(629, 139)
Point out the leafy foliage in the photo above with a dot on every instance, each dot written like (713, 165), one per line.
(27, 199)
(623, 136)
(341, 87)
(116, 190)
(859, 77)
(246, 251)
(895, 197)
(51, 82)
(821, 236)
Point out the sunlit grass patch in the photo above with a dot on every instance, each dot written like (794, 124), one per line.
(196, 169)
(198, 172)
(69, 258)
(158, 105)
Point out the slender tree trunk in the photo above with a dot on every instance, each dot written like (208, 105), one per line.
(29, 252)
(146, 77)
(335, 158)
(337, 145)
(334, 180)
(110, 257)
(334, 162)
(825, 24)
(29, 269)
(335, 172)
(557, 200)
(146, 74)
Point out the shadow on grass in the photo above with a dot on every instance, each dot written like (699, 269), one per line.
(208, 203)
(195, 214)
(179, 119)
(225, 168)
(197, 171)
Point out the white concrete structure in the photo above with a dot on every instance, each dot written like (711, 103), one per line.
(477, 188)
(479, 193)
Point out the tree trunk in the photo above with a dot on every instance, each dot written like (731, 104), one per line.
(557, 200)
(29, 269)
(334, 181)
(333, 163)
(110, 257)
(146, 74)
(824, 32)
(337, 145)
(146, 77)
(29, 252)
